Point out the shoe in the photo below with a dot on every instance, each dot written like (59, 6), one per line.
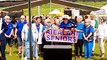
(102, 56)
(25, 58)
(19, 54)
(37, 58)
(88, 59)
(80, 57)
(10, 54)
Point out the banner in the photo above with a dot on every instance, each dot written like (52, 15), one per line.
(61, 35)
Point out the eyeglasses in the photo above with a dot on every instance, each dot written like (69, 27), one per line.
(85, 22)
(8, 19)
(48, 22)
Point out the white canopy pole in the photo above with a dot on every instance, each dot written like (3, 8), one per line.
(38, 10)
(50, 5)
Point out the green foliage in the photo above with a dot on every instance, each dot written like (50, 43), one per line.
(97, 4)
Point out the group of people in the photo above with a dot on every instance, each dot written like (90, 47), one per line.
(88, 31)
(92, 30)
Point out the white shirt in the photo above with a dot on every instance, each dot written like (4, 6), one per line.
(93, 23)
(36, 34)
(102, 32)
(0, 25)
(24, 32)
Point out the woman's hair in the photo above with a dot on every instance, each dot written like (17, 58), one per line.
(103, 18)
(6, 17)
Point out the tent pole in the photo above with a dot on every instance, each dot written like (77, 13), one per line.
(29, 11)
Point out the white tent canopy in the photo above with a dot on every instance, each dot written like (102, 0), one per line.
(100, 12)
(105, 8)
(56, 11)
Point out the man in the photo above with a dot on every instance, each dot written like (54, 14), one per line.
(94, 23)
(3, 29)
(18, 31)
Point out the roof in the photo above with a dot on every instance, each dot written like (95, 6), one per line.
(41, 2)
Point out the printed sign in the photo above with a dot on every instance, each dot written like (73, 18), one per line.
(61, 35)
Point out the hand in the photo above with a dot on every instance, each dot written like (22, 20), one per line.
(86, 38)
(9, 36)
(1, 31)
(6, 35)
(78, 30)
(15, 36)
(23, 39)
(45, 31)
(96, 37)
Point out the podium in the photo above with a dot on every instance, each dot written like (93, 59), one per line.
(57, 52)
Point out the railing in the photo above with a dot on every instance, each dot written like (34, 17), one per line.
(10, 0)
(4, 3)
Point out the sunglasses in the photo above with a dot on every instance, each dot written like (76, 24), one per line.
(22, 18)
(86, 22)
(64, 19)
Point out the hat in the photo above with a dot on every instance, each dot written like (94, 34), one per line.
(36, 17)
(47, 20)
(65, 17)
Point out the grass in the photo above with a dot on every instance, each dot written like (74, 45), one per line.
(95, 57)
(45, 9)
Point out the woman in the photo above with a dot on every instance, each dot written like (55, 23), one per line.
(3, 29)
(79, 29)
(102, 33)
(66, 23)
(56, 24)
(48, 25)
(88, 33)
(18, 30)
(8, 34)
